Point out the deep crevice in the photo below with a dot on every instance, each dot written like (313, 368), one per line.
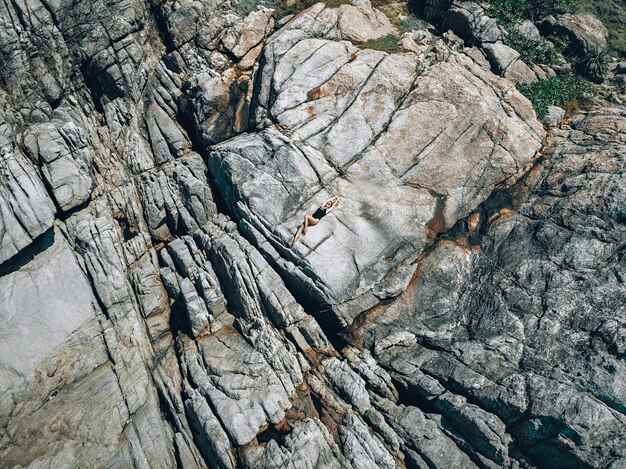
(27, 254)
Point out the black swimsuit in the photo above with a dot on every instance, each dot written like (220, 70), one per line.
(319, 213)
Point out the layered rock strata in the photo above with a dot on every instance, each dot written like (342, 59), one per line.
(463, 307)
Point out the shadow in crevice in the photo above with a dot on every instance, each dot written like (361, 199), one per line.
(26, 255)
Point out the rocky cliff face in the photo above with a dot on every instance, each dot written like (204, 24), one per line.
(463, 307)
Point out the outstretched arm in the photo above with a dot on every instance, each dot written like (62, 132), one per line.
(333, 206)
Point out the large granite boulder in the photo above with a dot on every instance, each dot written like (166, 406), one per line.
(584, 31)
(409, 154)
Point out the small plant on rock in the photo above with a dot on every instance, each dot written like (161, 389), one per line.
(553, 91)
(513, 11)
(388, 43)
(531, 51)
(244, 7)
(593, 64)
(411, 23)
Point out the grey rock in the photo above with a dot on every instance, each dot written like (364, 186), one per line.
(309, 445)
(485, 324)
(218, 104)
(422, 435)
(361, 448)
(484, 431)
(247, 32)
(500, 56)
(519, 72)
(528, 29)
(584, 31)
(360, 22)
(463, 307)
(350, 385)
(243, 389)
(42, 304)
(177, 197)
(214, 438)
(468, 20)
(554, 117)
(62, 151)
(25, 206)
(335, 148)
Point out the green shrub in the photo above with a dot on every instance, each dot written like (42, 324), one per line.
(283, 8)
(553, 92)
(593, 64)
(531, 51)
(388, 43)
(512, 11)
(410, 23)
(246, 6)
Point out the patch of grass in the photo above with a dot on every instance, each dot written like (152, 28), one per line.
(531, 51)
(410, 23)
(388, 43)
(244, 7)
(513, 11)
(553, 92)
(283, 7)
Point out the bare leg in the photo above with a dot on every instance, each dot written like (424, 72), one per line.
(308, 220)
(297, 236)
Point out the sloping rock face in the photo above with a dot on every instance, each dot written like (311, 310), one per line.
(519, 324)
(411, 151)
(463, 307)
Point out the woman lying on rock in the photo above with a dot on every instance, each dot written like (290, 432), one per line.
(326, 208)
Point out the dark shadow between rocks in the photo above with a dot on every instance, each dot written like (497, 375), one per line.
(26, 255)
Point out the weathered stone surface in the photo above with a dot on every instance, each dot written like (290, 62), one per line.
(528, 29)
(41, 304)
(494, 300)
(25, 207)
(361, 448)
(519, 72)
(584, 31)
(359, 22)
(554, 117)
(247, 33)
(214, 439)
(361, 146)
(422, 436)
(240, 385)
(500, 56)
(468, 20)
(308, 445)
(505, 61)
(62, 151)
(462, 307)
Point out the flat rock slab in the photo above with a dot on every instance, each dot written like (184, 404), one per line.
(409, 155)
(41, 304)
